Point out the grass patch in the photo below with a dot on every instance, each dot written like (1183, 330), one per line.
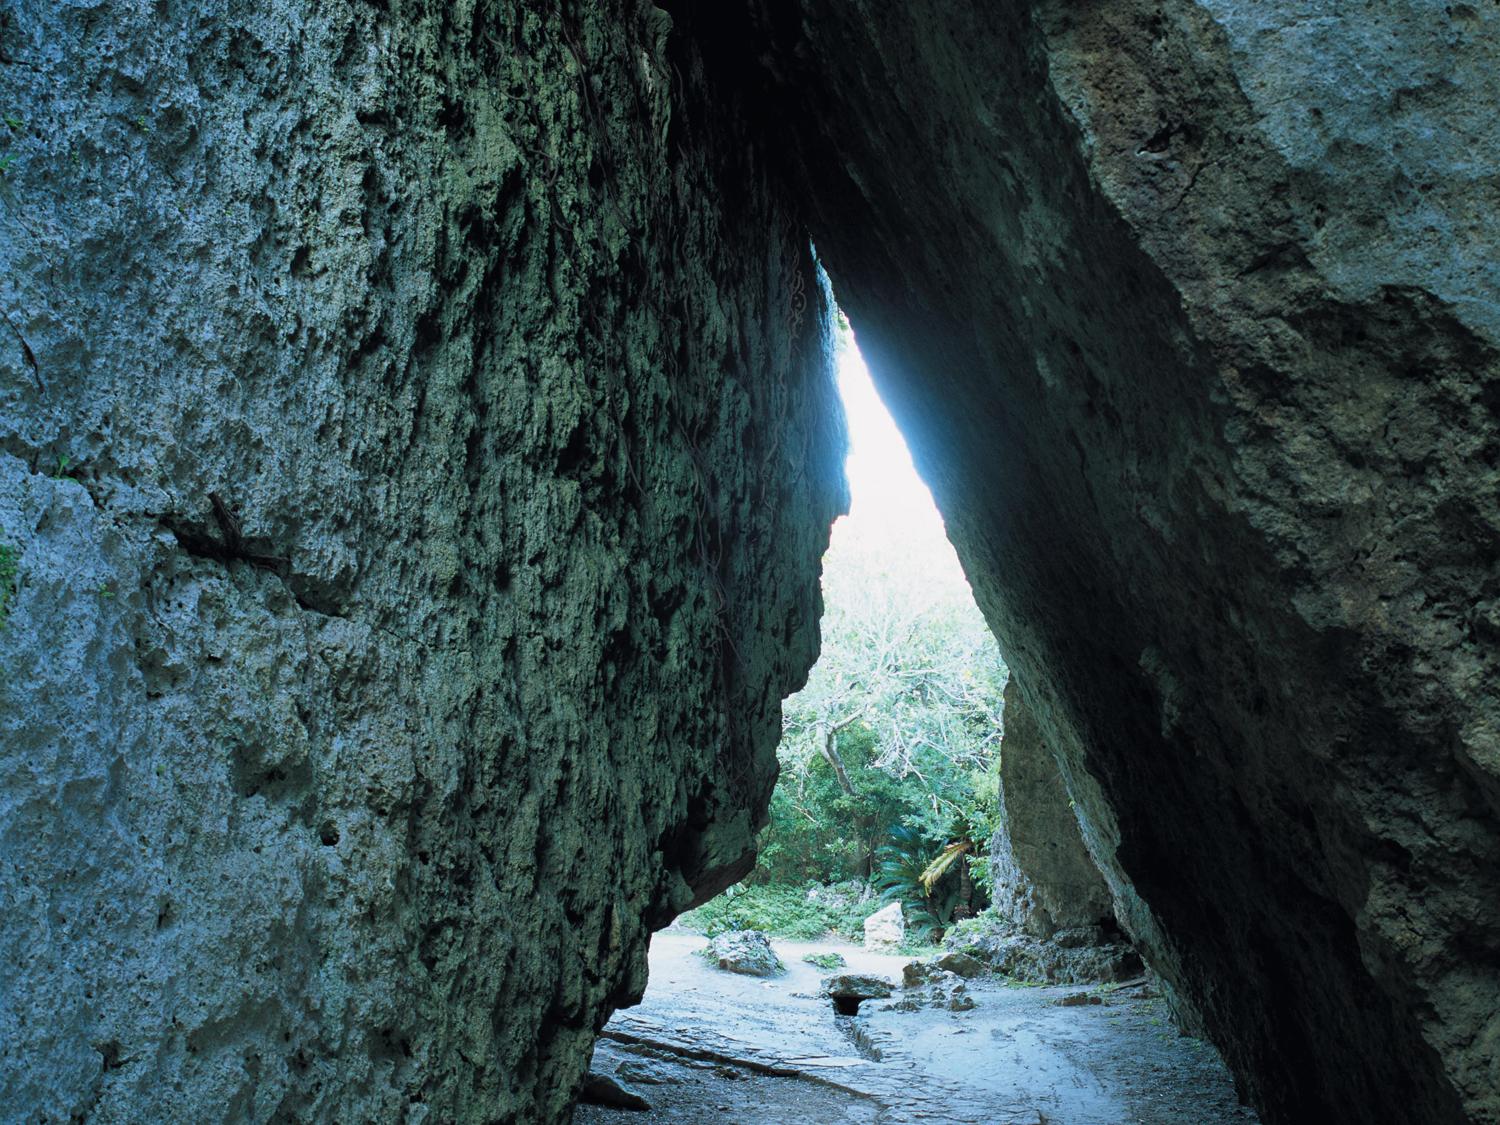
(825, 960)
(8, 561)
(913, 946)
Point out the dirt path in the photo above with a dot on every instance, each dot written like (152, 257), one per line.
(711, 1047)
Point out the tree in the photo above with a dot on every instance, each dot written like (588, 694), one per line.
(899, 723)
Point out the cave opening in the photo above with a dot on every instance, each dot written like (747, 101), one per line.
(913, 906)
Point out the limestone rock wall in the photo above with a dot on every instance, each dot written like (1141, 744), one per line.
(416, 450)
(1189, 309)
(1045, 879)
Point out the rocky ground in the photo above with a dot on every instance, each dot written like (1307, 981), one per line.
(711, 1046)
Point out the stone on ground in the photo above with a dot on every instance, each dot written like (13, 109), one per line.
(885, 929)
(601, 1089)
(929, 985)
(961, 963)
(857, 986)
(748, 952)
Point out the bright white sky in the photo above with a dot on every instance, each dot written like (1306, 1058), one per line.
(891, 512)
(882, 480)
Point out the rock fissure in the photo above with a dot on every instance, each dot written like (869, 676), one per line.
(506, 323)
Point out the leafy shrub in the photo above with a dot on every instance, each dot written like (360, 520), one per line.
(903, 863)
(803, 913)
(965, 934)
(8, 560)
(826, 961)
(817, 833)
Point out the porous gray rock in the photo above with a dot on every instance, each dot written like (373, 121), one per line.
(745, 951)
(1081, 956)
(1044, 878)
(413, 449)
(418, 446)
(935, 989)
(1188, 309)
(856, 986)
(886, 928)
(933, 984)
(960, 964)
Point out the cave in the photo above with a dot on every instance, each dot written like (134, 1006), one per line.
(417, 443)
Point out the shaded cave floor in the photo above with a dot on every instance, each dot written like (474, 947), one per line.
(709, 1046)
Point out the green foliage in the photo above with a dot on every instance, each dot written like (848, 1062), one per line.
(825, 961)
(794, 912)
(817, 832)
(888, 755)
(965, 933)
(904, 861)
(905, 701)
(8, 560)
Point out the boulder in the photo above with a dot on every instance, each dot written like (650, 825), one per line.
(961, 964)
(856, 986)
(1072, 960)
(936, 989)
(745, 951)
(603, 1090)
(886, 928)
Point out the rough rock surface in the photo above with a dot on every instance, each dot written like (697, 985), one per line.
(945, 992)
(353, 800)
(1045, 880)
(1080, 956)
(929, 984)
(1057, 919)
(412, 447)
(961, 964)
(1189, 311)
(745, 951)
(856, 986)
(885, 929)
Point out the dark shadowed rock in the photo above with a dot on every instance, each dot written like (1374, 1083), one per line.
(417, 444)
(1045, 880)
(1188, 307)
(602, 1089)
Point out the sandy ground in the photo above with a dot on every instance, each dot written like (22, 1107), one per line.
(712, 1047)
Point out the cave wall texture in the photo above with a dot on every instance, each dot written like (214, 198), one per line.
(507, 365)
(1189, 309)
(1045, 879)
(492, 329)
